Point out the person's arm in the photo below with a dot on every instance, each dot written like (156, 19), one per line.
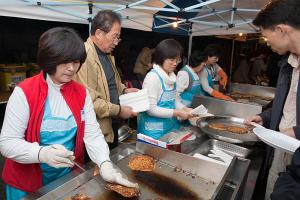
(182, 81)
(12, 139)
(95, 143)
(204, 82)
(153, 85)
(209, 90)
(266, 117)
(87, 75)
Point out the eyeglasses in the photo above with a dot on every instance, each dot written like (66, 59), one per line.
(177, 60)
(117, 40)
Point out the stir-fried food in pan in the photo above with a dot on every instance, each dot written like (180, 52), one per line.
(142, 163)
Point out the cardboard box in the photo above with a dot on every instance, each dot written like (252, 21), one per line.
(172, 140)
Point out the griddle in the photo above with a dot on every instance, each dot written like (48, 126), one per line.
(176, 177)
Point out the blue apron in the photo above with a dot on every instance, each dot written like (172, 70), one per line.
(54, 130)
(210, 83)
(187, 95)
(157, 127)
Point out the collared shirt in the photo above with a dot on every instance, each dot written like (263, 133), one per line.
(110, 76)
(288, 119)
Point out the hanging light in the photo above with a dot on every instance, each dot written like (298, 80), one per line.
(240, 34)
(175, 24)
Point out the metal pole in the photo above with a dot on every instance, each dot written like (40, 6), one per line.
(231, 59)
(190, 47)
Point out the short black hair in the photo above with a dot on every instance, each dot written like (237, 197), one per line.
(212, 50)
(166, 49)
(279, 12)
(104, 20)
(58, 46)
(196, 58)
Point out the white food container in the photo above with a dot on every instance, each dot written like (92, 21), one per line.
(138, 101)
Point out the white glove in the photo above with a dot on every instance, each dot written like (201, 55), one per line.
(56, 156)
(110, 174)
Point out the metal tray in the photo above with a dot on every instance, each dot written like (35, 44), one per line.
(226, 136)
(231, 149)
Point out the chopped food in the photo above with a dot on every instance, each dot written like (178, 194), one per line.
(230, 128)
(122, 190)
(80, 196)
(142, 163)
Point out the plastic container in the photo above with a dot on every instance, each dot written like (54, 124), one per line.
(138, 101)
(11, 75)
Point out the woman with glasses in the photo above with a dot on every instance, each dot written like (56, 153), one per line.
(50, 121)
(165, 105)
(188, 82)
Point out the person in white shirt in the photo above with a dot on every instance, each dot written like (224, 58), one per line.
(165, 105)
(50, 119)
(213, 73)
(188, 82)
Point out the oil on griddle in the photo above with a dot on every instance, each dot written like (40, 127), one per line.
(162, 185)
(165, 186)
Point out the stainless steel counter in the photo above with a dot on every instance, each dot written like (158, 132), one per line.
(228, 108)
(232, 187)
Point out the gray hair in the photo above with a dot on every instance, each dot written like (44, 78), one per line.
(104, 21)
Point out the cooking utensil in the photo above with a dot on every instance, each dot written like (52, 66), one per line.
(217, 153)
(124, 132)
(227, 136)
(90, 174)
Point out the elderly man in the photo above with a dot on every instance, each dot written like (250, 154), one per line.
(279, 22)
(99, 74)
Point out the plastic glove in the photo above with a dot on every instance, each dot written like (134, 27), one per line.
(220, 95)
(111, 174)
(223, 80)
(56, 156)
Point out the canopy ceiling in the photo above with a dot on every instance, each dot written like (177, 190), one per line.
(194, 17)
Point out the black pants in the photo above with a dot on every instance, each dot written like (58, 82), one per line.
(116, 124)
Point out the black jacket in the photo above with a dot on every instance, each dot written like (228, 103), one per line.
(287, 186)
(272, 116)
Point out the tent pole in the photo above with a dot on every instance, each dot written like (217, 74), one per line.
(90, 17)
(231, 59)
(190, 47)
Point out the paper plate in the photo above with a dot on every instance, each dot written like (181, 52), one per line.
(277, 140)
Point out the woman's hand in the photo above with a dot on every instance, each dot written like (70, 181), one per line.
(110, 174)
(182, 114)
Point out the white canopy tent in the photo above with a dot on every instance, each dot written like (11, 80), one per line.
(192, 17)
(211, 17)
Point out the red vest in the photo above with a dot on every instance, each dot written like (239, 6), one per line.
(28, 177)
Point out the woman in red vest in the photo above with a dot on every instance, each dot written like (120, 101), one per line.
(50, 119)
